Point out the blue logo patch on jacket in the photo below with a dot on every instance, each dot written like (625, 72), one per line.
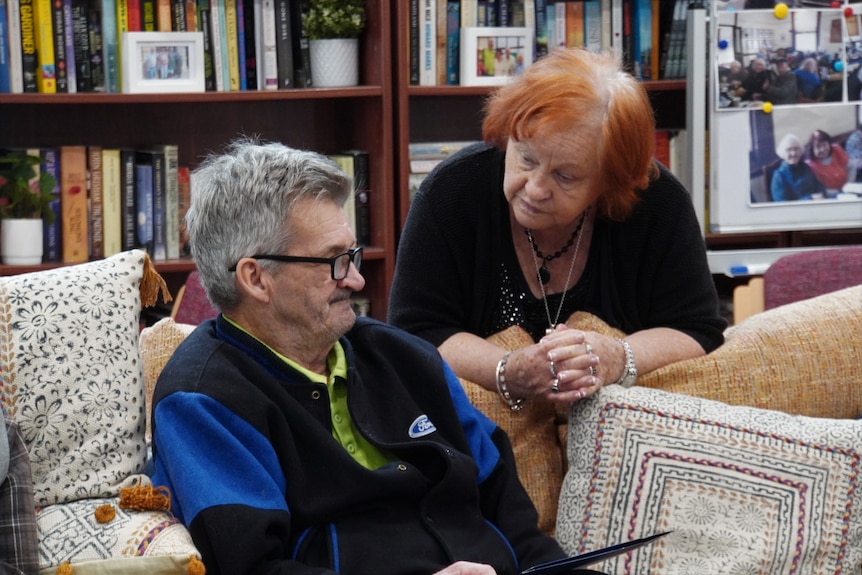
(421, 427)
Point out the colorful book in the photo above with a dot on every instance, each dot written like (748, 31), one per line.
(81, 40)
(16, 66)
(441, 36)
(575, 24)
(46, 77)
(219, 39)
(97, 52)
(240, 43)
(178, 16)
(593, 25)
(223, 41)
(171, 200)
(154, 159)
(453, 43)
(52, 240)
(184, 189)
(69, 37)
(149, 16)
(164, 19)
(428, 43)
(128, 203)
(268, 49)
(133, 15)
(250, 29)
(232, 45)
(284, 43)
(346, 163)
(111, 198)
(144, 205)
(541, 28)
(110, 47)
(5, 72)
(73, 204)
(58, 26)
(94, 168)
(122, 16)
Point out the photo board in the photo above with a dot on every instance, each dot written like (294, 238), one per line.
(784, 116)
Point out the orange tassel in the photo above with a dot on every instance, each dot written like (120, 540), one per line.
(104, 513)
(145, 498)
(64, 568)
(152, 284)
(196, 566)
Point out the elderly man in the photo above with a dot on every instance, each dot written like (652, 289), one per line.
(295, 438)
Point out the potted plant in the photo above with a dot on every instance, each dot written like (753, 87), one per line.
(25, 202)
(333, 28)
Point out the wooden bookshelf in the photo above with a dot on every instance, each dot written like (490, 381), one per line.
(325, 120)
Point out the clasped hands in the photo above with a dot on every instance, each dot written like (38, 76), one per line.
(566, 365)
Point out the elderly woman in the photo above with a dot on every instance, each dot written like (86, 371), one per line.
(793, 179)
(563, 209)
(828, 161)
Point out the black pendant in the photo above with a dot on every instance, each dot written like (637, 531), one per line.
(544, 275)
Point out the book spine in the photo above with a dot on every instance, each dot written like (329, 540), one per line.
(427, 43)
(69, 35)
(250, 29)
(172, 193)
(83, 74)
(97, 63)
(16, 65)
(94, 167)
(5, 74)
(206, 30)
(52, 233)
(593, 25)
(111, 192)
(73, 203)
(144, 205)
(441, 39)
(58, 26)
(453, 43)
(149, 16)
(122, 16)
(164, 19)
(218, 38)
(345, 162)
(413, 42)
(232, 39)
(128, 204)
(561, 12)
(362, 186)
(191, 15)
(301, 50)
(268, 40)
(502, 17)
(110, 47)
(184, 195)
(575, 24)
(240, 44)
(541, 16)
(258, 41)
(133, 15)
(284, 44)
(159, 208)
(29, 57)
(178, 15)
(223, 40)
(46, 78)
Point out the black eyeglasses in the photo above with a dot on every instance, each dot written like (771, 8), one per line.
(339, 265)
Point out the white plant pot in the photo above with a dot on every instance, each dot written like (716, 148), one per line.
(334, 62)
(21, 241)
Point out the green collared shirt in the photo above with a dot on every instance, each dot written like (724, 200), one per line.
(343, 429)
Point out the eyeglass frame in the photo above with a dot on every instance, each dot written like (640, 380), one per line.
(351, 253)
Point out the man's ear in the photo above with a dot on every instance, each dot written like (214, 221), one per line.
(253, 280)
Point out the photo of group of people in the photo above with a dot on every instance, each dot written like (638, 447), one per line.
(500, 55)
(806, 154)
(164, 62)
(798, 59)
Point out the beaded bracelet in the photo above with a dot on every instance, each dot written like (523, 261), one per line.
(502, 389)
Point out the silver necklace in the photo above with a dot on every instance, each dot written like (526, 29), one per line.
(552, 324)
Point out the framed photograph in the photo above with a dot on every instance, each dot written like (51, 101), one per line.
(163, 62)
(492, 56)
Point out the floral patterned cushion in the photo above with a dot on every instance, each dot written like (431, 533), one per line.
(744, 490)
(72, 377)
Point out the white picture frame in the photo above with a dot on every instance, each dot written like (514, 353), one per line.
(162, 62)
(511, 49)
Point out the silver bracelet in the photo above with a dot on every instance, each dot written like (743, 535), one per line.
(502, 388)
(630, 371)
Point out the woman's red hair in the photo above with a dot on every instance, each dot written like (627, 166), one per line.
(571, 89)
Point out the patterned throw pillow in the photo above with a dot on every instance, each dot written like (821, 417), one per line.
(744, 490)
(71, 375)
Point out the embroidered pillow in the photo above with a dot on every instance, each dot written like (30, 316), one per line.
(72, 375)
(744, 490)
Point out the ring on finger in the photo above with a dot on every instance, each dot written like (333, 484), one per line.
(552, 369)
(555, 387)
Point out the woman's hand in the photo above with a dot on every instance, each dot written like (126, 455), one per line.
(565, 366)
(467, 568)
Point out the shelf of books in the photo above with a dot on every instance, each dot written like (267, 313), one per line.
(125, 136)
